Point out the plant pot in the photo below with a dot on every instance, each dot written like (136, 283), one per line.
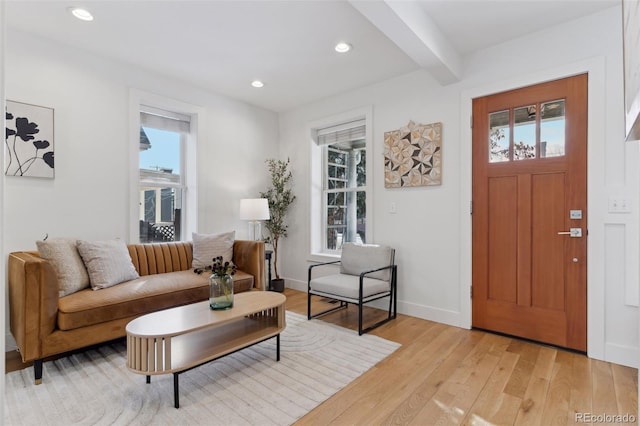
(277, 284)
(220, 292)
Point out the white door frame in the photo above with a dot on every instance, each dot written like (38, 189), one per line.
(596, 191)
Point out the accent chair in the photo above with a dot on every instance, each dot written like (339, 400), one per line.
(367, 272)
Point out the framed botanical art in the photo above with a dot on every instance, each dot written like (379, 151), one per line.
(29, 141)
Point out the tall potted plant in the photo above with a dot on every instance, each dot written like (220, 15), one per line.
(280, 197)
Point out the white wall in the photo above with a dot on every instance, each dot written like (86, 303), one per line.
(89, 197)
(431, 229)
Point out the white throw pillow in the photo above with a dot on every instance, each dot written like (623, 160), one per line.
(63, 255)
(208, 246)
(108, 262)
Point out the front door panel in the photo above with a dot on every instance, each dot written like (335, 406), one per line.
(529, 242)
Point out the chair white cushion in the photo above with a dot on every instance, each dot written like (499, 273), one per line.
(347, 286)
(358, 258)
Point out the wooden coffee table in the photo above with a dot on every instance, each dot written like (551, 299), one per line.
(178, 339)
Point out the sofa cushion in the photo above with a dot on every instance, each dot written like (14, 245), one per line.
(108, 262)
(63, 255)
(241, 282)
(208, 246)
(140, 296)
(158, 258)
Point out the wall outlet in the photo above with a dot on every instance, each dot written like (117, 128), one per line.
(392, 208)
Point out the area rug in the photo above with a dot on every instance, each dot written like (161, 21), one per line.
(245, 388)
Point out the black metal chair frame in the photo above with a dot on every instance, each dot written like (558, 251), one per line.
(344, 302)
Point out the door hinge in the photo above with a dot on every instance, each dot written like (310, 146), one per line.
(471, 291)
(471, 207)
(471, 121)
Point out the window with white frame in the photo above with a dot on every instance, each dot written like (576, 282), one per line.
(162, 184)
(341, 150)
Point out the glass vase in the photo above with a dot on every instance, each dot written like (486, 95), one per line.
(220, 291)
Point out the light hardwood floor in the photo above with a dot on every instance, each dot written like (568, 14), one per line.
(446, 375)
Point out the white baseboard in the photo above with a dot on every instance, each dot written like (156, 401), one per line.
(431, 313)
(295, 284)
(623, 355)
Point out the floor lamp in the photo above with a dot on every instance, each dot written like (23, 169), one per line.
(255, 210)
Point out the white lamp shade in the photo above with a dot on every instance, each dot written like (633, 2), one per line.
(254, 209)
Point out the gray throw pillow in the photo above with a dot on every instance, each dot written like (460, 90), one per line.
(358, 258)
(108, 262)
(63, 255)
(208, 246)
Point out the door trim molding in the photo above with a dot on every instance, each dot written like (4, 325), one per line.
(595, 67)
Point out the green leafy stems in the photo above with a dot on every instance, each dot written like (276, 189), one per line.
(280, 197)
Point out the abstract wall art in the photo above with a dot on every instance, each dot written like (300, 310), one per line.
(413, 156)
(28, 140)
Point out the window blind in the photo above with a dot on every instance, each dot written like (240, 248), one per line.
(345, 132)
(164, 120)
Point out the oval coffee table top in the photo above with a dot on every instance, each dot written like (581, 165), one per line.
(187, 318)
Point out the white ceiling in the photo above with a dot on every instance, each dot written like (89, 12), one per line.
(224, 45)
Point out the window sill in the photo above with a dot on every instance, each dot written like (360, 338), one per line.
(322, 257)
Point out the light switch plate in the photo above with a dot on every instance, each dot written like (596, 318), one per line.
(619, 205)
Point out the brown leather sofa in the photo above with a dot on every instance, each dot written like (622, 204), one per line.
(44, 324)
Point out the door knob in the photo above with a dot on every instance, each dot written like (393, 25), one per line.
(572, 232)
(575, 260)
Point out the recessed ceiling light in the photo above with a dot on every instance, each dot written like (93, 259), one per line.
(343, 47)
(257, 83)
(81, 14)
